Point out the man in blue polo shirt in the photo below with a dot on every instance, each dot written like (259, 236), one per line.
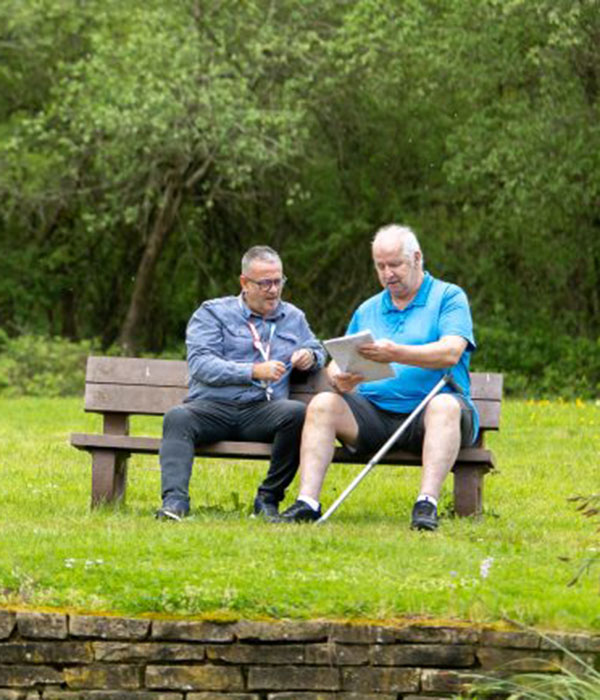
(240, 353)
(423, 327)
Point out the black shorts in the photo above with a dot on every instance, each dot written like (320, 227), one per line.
(375, 426)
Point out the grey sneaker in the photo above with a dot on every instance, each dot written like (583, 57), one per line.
(424, 516)
(170, 514)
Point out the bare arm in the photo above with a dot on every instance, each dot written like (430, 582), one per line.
(445, 352)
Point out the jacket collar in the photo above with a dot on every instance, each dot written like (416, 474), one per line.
(247, 312)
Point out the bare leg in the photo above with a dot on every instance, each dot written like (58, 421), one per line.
(327, 417)
(441, 443)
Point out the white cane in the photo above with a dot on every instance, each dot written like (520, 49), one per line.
(446, 379)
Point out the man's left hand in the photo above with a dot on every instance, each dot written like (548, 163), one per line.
(302, 359)
(380, 351)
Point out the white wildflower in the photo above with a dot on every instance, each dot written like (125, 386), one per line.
(485, 566)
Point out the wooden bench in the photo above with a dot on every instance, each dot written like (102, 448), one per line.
(118, 387)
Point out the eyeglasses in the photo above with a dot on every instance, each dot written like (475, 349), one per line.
(265, 285)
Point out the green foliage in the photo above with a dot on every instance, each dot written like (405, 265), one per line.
(524, 160)
(589, 507)
(168, 111)
(364, 563)
(37, 37)
(305, 125)
(539, 363)
(37, 366)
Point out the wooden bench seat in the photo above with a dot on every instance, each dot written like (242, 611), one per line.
(118, 387)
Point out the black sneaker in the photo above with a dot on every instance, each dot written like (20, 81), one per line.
(265, 509)
(424, 516)
(299, 512)
(170, 514)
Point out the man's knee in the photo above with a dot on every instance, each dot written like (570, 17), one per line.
(297, 409)
(178, 423)
(326, 407)
(443, 408)
(293, 412)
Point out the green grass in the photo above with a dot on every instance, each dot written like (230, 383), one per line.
(365, 563)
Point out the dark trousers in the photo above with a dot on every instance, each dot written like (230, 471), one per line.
(203, 422)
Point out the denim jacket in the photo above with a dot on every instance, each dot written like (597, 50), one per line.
(221, 349)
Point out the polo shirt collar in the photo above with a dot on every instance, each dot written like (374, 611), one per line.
(419, 300)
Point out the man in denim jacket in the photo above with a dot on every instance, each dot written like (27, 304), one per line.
(240, 353)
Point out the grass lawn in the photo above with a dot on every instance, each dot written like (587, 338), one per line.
(515, 561)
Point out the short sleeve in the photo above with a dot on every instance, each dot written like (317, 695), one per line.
(455, 316)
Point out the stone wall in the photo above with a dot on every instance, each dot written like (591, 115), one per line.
(54, 656)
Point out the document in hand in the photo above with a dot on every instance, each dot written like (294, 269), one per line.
(344, 351)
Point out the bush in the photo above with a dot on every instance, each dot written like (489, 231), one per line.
(536, 364)
(32, 365)
(539, 363)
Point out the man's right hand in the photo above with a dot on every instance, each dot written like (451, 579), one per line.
(270, 371)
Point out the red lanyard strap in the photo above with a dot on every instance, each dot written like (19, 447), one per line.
(264, 350)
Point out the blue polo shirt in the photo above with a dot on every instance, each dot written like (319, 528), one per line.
(438, 309)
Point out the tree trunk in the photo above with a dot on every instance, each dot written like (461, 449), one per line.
(130, 335)
(68, 315)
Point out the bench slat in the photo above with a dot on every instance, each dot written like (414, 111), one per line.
(489, 414)
(484, 385)
(252, 450)
(173, 373)
(123, 398)
(148, 400)
(137, 371)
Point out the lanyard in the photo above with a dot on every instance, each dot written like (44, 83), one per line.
(264, 350)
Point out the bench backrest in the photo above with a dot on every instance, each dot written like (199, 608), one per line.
(132, 385)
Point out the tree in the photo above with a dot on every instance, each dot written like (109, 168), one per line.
(525, 165)
(170, 109)
(156, 142)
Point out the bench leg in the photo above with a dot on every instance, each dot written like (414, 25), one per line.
(109, 477)
(468, 490)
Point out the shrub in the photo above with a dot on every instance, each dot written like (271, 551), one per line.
(539, 363)
(32, 365)
(535, 364)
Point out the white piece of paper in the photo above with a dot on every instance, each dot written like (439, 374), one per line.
(344, 351)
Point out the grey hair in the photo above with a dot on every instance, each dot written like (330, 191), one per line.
(259, 252)
(403, 235)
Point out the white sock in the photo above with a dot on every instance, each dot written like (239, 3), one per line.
(309, 502)
(425, 497)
